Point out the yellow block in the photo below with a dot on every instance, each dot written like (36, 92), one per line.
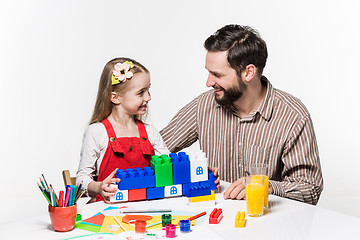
(240, 219)
(203, 198)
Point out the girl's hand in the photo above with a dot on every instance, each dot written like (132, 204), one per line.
(215, 170)
(105, 190)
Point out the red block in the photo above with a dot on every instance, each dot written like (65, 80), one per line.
(215, 216)
(137, 194)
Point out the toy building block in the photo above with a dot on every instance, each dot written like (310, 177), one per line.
(210, 182)
(137, 194)
(155, 193)
(121, 195)
(173, 191)
(204, 198)
(195, 190)
(181, 167)
(198, 167)
(215, 216)
(163, 170)
(136, 178)
(240, 219)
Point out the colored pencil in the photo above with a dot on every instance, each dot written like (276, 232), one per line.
(196, 216)
(118, 222)
(82, 192)
(42, 183)
(45, 195)
(45, 180)
(78, 190)
(145, 211)
(156, 223)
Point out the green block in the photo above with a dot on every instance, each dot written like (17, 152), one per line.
(162, 167)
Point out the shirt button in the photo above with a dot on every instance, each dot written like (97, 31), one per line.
(130, 148)
(112, 139)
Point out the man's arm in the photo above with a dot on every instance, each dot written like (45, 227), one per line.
(181, 132)
(301, 177)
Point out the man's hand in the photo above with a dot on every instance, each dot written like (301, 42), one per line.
(236, 190)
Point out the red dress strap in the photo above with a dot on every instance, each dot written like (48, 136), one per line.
(146, 146)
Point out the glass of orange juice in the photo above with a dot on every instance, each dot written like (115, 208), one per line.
(254, 189)
(259, 170)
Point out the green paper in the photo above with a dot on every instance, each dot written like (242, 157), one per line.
(88, 227)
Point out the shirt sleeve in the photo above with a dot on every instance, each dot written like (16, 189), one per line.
(92, 151)
(156, 140)
(181, 132)
(301, 177)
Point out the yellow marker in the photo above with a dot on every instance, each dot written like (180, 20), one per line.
(240, 219)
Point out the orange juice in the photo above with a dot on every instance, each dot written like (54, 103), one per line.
(254, 198)
(259, 179)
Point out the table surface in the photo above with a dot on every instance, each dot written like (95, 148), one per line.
(285, 219)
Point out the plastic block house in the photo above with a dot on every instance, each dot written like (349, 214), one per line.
(169, 176)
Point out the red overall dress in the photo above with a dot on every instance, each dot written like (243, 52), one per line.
(125, 152)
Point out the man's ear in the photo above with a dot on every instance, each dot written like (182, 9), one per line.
(249, 73)
(114, 98)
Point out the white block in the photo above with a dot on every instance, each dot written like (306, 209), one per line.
(121, 195)
(173, 191)
(198, 167)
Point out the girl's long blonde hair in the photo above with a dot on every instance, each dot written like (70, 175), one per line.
(103, 105)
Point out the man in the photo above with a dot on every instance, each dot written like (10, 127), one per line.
(244, 120)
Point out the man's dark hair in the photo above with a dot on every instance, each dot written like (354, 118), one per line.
(244, 46)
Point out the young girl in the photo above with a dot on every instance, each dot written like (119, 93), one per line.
(116, 137)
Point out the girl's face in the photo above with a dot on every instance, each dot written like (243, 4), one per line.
(134, 101)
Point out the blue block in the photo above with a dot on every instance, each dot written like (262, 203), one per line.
(155, 193)
(136, 178)
(210, 182)
(181, 168)
(195, 190)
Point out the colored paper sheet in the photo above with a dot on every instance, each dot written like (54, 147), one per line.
(88, 227)
(97, 219)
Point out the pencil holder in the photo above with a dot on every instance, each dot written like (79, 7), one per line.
(62, 218)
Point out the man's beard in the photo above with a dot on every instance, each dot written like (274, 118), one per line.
(230, 95)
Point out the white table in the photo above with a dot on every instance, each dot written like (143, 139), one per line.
(286, 219)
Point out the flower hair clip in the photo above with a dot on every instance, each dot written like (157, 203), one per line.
(121, 72)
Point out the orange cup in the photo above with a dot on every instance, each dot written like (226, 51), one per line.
(62, 218)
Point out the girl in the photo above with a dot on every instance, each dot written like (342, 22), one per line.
(116, 137)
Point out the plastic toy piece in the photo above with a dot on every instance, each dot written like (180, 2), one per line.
(136, 178)
(210, 197)
(198, 167)
(210, 182)
(181, 167)
(137, 194)
(195, 190)
(215, 216)
(121, 195)
(155, 193)
(240, 219)
(173, 191)
(163, 170)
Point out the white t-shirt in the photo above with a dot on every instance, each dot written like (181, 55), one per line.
(94, 146)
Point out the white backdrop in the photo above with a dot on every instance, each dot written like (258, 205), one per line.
(52, 54)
